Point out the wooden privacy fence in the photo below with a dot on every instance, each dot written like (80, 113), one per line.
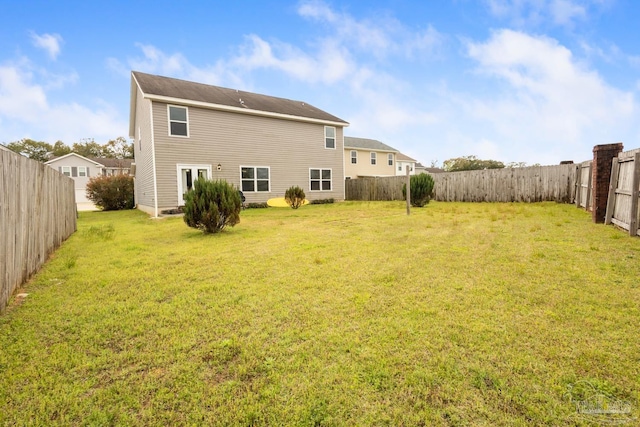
(529, 184)
(37, 213)
(583, 185)
(622, 203)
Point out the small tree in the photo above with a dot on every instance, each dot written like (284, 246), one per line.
(210, 206)
(421, 189)
(294, 197)
(111, 192)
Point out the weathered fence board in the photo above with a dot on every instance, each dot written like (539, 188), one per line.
(622, 208)
(584, 185)
(530, 184)
(37, 213)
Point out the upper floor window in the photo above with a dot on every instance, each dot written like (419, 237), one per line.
(66, 170)
(373, 158)
(82, 171)
(399, 167)
(390, 159)
(254, 178)
(354, 157)
(329, 137)
(178, 121)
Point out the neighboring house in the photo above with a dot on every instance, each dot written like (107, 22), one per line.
(81, 169)
(261, 144)
(420, 168)
(368, 158)
(114, 166)
(402, 161)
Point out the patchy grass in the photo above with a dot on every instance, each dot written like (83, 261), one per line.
(345, 314)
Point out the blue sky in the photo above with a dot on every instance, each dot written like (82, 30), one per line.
(536, 81)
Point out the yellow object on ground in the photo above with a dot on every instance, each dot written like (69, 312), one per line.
(279, 202)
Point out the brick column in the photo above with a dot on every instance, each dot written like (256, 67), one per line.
(601, 176)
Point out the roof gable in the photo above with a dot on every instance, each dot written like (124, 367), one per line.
(367, 144)
(54, 160)
(168, 89)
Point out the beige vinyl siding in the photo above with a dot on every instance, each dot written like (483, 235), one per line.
(144, 193)
(288, 148)
(364, 166)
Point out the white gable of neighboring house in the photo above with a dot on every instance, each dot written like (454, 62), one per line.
(78, 168)
(402, 161)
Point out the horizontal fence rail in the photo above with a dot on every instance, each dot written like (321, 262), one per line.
(37, 213)
(528, 184)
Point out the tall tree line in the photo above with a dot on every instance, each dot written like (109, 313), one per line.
(117, 148)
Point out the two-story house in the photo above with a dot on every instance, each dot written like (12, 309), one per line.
(261, 144)
(368, 158)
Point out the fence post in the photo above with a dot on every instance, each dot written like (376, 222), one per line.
(611, 199)
(408, 190)
(633, 224)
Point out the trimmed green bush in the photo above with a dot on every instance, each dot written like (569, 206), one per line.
(294, 196)
(256, 205)
(321, 201)
(211, 206)
(421, 189)
(111, 193)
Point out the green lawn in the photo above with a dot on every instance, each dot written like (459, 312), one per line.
(344, 314)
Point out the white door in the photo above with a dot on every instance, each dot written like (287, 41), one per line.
(187, 174)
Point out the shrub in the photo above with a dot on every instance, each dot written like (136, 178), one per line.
(294, 197)
(111, 193)
(421, 189)
(256, 205)
(210, 206)
(321, 201)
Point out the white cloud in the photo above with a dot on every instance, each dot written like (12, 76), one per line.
(546, 96)
(49, 42)
(534, 12)
(24, 104)
(379, 37)
(155, 61)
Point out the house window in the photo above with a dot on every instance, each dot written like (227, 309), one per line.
(178, 121)
(320, 179)
(390, 159)
(400, 167)
(373, 158)
(354, 157)
(329, 137)
(255, 178)
(82, 171)
(66, 170)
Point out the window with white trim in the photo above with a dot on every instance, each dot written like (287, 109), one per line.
(320, 179)
(255, 179)
(354, 157)
(66, 170)
(178, 120)
(82, 171)
(373, 158)
(329, 137)
(390, 159)
(399, 167)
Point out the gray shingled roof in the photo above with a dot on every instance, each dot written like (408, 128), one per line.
(191, 91)
(368, 144)
(113, 163)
